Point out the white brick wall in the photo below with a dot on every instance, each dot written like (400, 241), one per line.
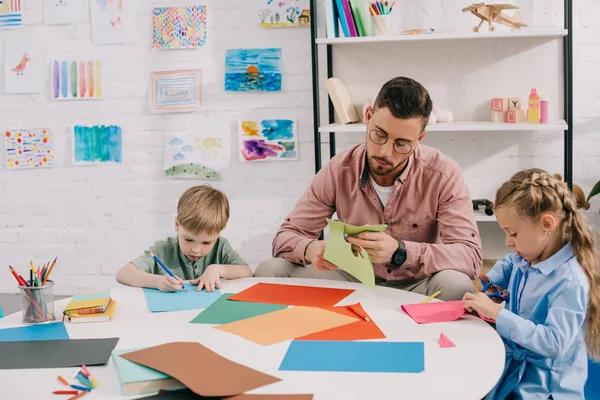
(97, 218)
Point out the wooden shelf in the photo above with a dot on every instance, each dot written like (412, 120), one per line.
(541, 33)
(461, 126)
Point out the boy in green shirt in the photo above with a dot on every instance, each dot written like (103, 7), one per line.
(198, 253)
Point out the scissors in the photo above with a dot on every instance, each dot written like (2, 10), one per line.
(497, 295)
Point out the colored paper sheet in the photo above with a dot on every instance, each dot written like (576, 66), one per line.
(359, 330)
(292, 295)
(339, 251)
(200, 369)
(286, 324)
(53, 331)
(223, 311)
(354, 356)
(181, 300)
(56, 353)
(445, 342)
(187, 394)
(444, 311)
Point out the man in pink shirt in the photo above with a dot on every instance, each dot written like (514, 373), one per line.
(431, 243)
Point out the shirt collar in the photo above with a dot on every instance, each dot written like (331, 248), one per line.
(547, 266)
(364, 177)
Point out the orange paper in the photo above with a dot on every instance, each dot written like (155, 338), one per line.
(292, 295)
(359, 330)
(286, 324)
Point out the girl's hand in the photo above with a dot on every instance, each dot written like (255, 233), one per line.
(210, 279)
(481, 303)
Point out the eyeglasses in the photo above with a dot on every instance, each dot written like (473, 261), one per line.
(378, 137)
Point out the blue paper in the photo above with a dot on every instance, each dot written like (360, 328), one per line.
(181, 300)
(53, 331)
(354, 356)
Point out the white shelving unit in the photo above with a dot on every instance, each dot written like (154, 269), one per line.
(460, 126)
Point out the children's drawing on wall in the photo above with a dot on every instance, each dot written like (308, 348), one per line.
(11, 15)
(76, 80)
(111, 21)
(194, 156)
(284, 13)
(253, 70)
(58, 12)
(23, 64)
(179, 27)
(268, 139)
(176, 91)
(29, 148)
(97, 144)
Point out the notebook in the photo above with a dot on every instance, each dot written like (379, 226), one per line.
(100, 317)
(137, 379)
(88, 303)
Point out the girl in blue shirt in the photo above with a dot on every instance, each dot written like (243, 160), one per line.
(553, 283)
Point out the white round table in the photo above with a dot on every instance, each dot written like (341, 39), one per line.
(468, 371)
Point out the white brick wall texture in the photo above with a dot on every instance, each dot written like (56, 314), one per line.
(97, 218)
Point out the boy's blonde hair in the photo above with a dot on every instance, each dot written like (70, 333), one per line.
(533, 192)
(203, 209)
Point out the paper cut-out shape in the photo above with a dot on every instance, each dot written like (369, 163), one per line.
(339, 251)
(445, 342)
(224, 312)
(443, 311)
(292, 295)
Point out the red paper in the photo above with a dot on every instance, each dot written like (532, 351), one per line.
(443, 311)
(445, 342)
(292, 295)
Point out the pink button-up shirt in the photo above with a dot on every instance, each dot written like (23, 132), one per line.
(430, 210)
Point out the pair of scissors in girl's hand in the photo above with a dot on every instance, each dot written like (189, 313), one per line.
(495, 295)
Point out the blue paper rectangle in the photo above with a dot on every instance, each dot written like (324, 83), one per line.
(53, 331)
(354, 356)
(181, 300)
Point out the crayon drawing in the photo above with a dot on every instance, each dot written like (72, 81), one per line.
(253, 70)
(58, 12)
(11, 15)
(111, 21)
(284, 13)
(97, 144)
(29, 148)
(76, 80)
(23, 64)
(176, 91)
(179, 27)
(194, 157)
(269, 139)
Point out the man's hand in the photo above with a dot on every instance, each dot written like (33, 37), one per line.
(379, 245)
(210, 279)
(314, 255)
(165, 283)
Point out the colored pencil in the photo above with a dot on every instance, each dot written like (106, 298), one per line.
(65, 392)
(433, 296)
(49, 271)
(167, 270)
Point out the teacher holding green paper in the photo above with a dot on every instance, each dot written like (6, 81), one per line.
(431, 243)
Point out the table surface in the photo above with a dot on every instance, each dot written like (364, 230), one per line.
(468, 371)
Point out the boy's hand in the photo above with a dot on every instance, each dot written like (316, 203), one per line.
(481, 303)
(168, 284)
(210, 279)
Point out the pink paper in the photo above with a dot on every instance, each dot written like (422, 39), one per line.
(445, 342)
(443, 311)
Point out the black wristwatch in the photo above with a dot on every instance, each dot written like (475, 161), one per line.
(399, 256)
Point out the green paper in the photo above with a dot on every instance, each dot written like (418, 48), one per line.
(224, 311)
(339, 251)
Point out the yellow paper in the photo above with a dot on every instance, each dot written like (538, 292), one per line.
(339, 251)
(286, 324)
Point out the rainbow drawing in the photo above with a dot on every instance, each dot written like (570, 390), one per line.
(178, 27)
(77, 80)
(10, 14)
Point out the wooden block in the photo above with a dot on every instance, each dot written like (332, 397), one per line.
(498, 104)
(511, 116)
(498, 116)
(520, 116)
(514, 103)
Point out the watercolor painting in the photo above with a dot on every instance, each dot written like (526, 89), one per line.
(111, 21)
(11, 15)
(253, 70)
(29, 148)
(194, 156)
(176, 91)
(97, 144)
(284, 13)
(57, 12)
(179, 27)
(23, 64)
(76, 80)
(268, 139)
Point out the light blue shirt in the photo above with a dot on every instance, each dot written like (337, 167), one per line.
(543, 327)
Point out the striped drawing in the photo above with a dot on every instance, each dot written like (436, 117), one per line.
(97, 144)
(10, 14)
(29, 148)
(77, 80)
(176, 91)
(178, 27)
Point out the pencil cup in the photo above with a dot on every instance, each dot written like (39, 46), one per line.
(380, 25)
(37, 304)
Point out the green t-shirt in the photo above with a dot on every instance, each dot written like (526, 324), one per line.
(169, 253)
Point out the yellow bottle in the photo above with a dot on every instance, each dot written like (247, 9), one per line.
(533, 112)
